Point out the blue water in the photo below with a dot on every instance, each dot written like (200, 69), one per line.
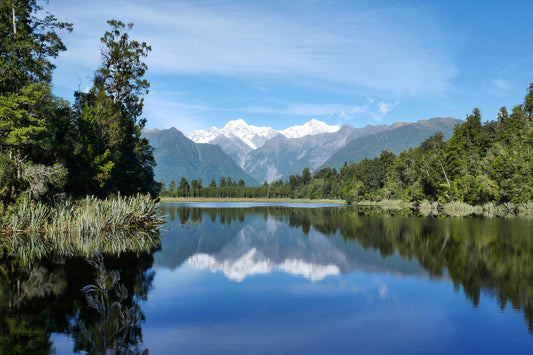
(283, 279)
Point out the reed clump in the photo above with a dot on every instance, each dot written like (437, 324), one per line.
(111, 225)
(461, 209)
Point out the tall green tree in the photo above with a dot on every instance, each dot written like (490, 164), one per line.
(109, 116)
(184, 188)
(34, 124)
(28, 44)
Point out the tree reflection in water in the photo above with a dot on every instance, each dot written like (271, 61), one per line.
(116, 325)
(491, 256)
(46, 296)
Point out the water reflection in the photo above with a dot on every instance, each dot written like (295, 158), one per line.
(47, 296)
(483, 256)
(319, 266)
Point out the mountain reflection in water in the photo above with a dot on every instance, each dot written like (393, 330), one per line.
(490, 256)
(274, 279)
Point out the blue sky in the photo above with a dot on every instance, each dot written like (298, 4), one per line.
(282, 63)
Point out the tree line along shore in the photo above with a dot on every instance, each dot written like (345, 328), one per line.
(484, 168)
(52, 152)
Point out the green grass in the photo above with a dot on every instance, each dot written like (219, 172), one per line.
(32, 229)
(461, 209)
(250, 199)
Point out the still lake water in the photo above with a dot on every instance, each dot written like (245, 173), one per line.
(286, 278)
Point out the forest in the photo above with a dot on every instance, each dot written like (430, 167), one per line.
(50, 149)
(483, 162)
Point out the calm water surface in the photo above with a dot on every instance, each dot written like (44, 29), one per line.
(242, 278)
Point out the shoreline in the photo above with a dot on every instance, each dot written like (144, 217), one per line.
(424, 208)
(252, 200)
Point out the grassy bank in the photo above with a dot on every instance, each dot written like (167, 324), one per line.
(84, 227)
(256, 200)
(455, 208)
(424, 208)
(460, 209)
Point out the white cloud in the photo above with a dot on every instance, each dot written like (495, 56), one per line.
(363, 49)
(294, 109)
(385, 107)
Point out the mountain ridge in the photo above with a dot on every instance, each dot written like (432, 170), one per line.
(278, 156)
(255, 136)
(395, 140)
(177, 156)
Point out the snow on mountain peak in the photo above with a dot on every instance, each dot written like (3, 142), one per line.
(310, 128)
(255, 137)
(201, 136)
(236, 123)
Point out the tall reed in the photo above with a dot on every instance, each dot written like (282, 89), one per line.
(461, 209)
(114, 225)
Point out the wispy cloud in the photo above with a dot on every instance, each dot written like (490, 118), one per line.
(366, 49)
(385, 107)
(166, 111)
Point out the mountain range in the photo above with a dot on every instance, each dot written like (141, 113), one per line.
(177, 156)
(259, 243)
(257, 154)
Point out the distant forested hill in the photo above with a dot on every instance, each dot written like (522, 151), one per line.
(177, 156)
(394, 140)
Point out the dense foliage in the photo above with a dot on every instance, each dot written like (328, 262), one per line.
(47, 147)
(323, 184)
(178, 156)
(480, 163)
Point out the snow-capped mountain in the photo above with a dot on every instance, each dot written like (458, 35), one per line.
(264, 154)
(255, 137)
(311, 128)
(262, 243)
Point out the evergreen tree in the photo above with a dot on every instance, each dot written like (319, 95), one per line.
(28, 43)
(33, 122)
(306, 176)
(184, 188)
(109, 116)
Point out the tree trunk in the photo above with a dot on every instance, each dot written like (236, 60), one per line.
(446, 176)
(14, 19)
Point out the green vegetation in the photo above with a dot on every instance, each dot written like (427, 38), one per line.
(49, 148)
(52, 152)
(480, 164)
(324, 184)
(394, 140)
(33, 229)
(114, 329)
(178, 156)
(488, 165)
(53, 295)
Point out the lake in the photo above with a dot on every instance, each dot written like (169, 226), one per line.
(283, 278)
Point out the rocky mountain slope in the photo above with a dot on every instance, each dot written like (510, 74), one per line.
(177, 156)
(393, 140)
(258, 154)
